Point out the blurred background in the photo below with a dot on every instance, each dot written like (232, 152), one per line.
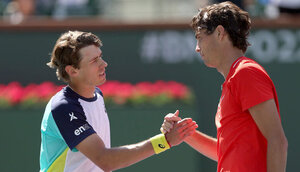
(144, 40)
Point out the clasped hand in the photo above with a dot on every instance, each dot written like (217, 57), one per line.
(177, 129)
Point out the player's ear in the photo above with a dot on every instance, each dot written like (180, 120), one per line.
(71, 70)
(220, 32)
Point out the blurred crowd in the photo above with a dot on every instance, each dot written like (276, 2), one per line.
(20, 9)
(55, 8)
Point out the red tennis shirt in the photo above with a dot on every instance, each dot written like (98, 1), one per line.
(241, 147)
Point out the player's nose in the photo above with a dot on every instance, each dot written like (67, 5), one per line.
(197, 49)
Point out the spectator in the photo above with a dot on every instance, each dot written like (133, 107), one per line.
(64, 8)
(45, 7)
(239, 3)
(3, 4)
(287, 7)
(17, 10)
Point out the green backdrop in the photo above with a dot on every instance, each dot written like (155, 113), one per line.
(166, 54)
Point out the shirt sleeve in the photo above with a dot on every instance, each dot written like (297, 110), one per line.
(72, 124)
(252, 86)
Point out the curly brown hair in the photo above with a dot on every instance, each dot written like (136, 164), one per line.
(235, 21)
(65, 51)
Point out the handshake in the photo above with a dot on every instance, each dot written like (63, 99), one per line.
(177, 129)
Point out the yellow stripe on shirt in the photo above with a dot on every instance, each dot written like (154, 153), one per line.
(59, 164)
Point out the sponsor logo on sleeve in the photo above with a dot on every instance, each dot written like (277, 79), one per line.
(72, 116)
(81, 129)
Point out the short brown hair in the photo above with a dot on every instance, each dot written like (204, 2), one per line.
(236, 22)
(65, 51)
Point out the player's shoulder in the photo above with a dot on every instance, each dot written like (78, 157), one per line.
(248, 71)
(65, 101)
(248, 67)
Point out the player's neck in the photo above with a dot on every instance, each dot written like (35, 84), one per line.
(83, 90)
(227, 61)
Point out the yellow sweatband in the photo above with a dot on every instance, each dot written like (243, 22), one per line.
(159, 143)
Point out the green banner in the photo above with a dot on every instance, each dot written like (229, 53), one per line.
(150, 55)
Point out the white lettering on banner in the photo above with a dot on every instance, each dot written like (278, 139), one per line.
(282, 46)
(288, 47)
(150, 48)
(267, 46)
(169, 47)
(297, 52)
(263, 46)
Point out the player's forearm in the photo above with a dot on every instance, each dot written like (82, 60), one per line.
(204, 144)
(277, 155)
(120, 157)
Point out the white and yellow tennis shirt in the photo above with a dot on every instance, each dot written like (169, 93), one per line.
(68, 119)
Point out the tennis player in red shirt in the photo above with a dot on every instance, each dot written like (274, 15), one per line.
(250, 137)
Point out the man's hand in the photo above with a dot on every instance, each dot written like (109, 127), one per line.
(169, 121)
(180, 131)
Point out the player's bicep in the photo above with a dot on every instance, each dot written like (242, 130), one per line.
(93, 148)
(267, 119)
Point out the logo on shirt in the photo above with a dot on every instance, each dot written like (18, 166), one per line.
(72, 116)
(161, 146)
(81, 129)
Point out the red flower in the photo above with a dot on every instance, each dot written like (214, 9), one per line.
(13, 93)
(158, 93)
(178, 90)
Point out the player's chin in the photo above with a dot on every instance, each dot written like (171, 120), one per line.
(101, 81)
(208, 64)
